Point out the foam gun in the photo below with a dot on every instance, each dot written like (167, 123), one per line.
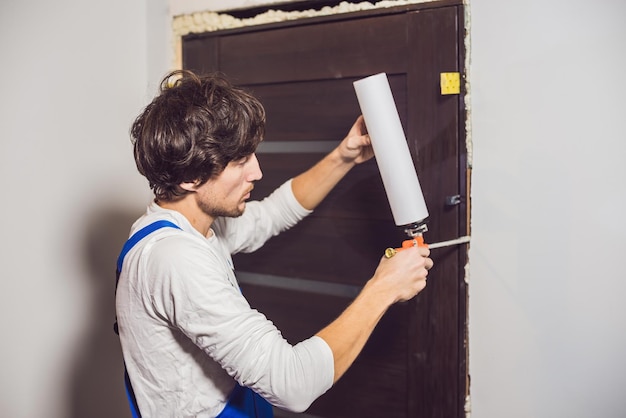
(393, 158)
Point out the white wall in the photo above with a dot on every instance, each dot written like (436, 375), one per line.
(547, 325)
(547, 316)
(74, 75)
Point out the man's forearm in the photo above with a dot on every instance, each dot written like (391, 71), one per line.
(312, 186)
(396, 279)
(347, 335)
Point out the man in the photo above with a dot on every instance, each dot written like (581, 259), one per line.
(191, 343)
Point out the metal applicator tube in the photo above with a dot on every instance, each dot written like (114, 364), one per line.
(392, 155)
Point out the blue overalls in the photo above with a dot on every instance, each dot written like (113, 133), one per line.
(242, 402)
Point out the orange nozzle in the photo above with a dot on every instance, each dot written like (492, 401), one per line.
(417, 241)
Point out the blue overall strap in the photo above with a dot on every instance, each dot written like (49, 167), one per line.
(134, 239)
(139, 235)
(130, 395)
(243, 402)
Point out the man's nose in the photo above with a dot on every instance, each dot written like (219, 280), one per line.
(255, 169)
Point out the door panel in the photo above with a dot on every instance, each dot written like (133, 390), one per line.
(302, 71)
(309, 52)
(316, 110)
(438, 343)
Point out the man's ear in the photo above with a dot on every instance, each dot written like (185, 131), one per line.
(190, 186)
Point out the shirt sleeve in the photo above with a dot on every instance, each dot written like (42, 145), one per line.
(192, 291)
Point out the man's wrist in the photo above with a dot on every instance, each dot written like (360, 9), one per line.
(376, 293)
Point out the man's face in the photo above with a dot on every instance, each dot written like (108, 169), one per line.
(226, 194)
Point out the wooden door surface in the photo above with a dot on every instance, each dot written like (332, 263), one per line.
(302, 71)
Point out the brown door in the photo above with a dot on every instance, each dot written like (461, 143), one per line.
(415, 363)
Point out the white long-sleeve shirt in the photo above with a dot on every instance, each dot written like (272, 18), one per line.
(187, 333)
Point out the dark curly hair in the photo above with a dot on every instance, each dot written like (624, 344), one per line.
(192, 129)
